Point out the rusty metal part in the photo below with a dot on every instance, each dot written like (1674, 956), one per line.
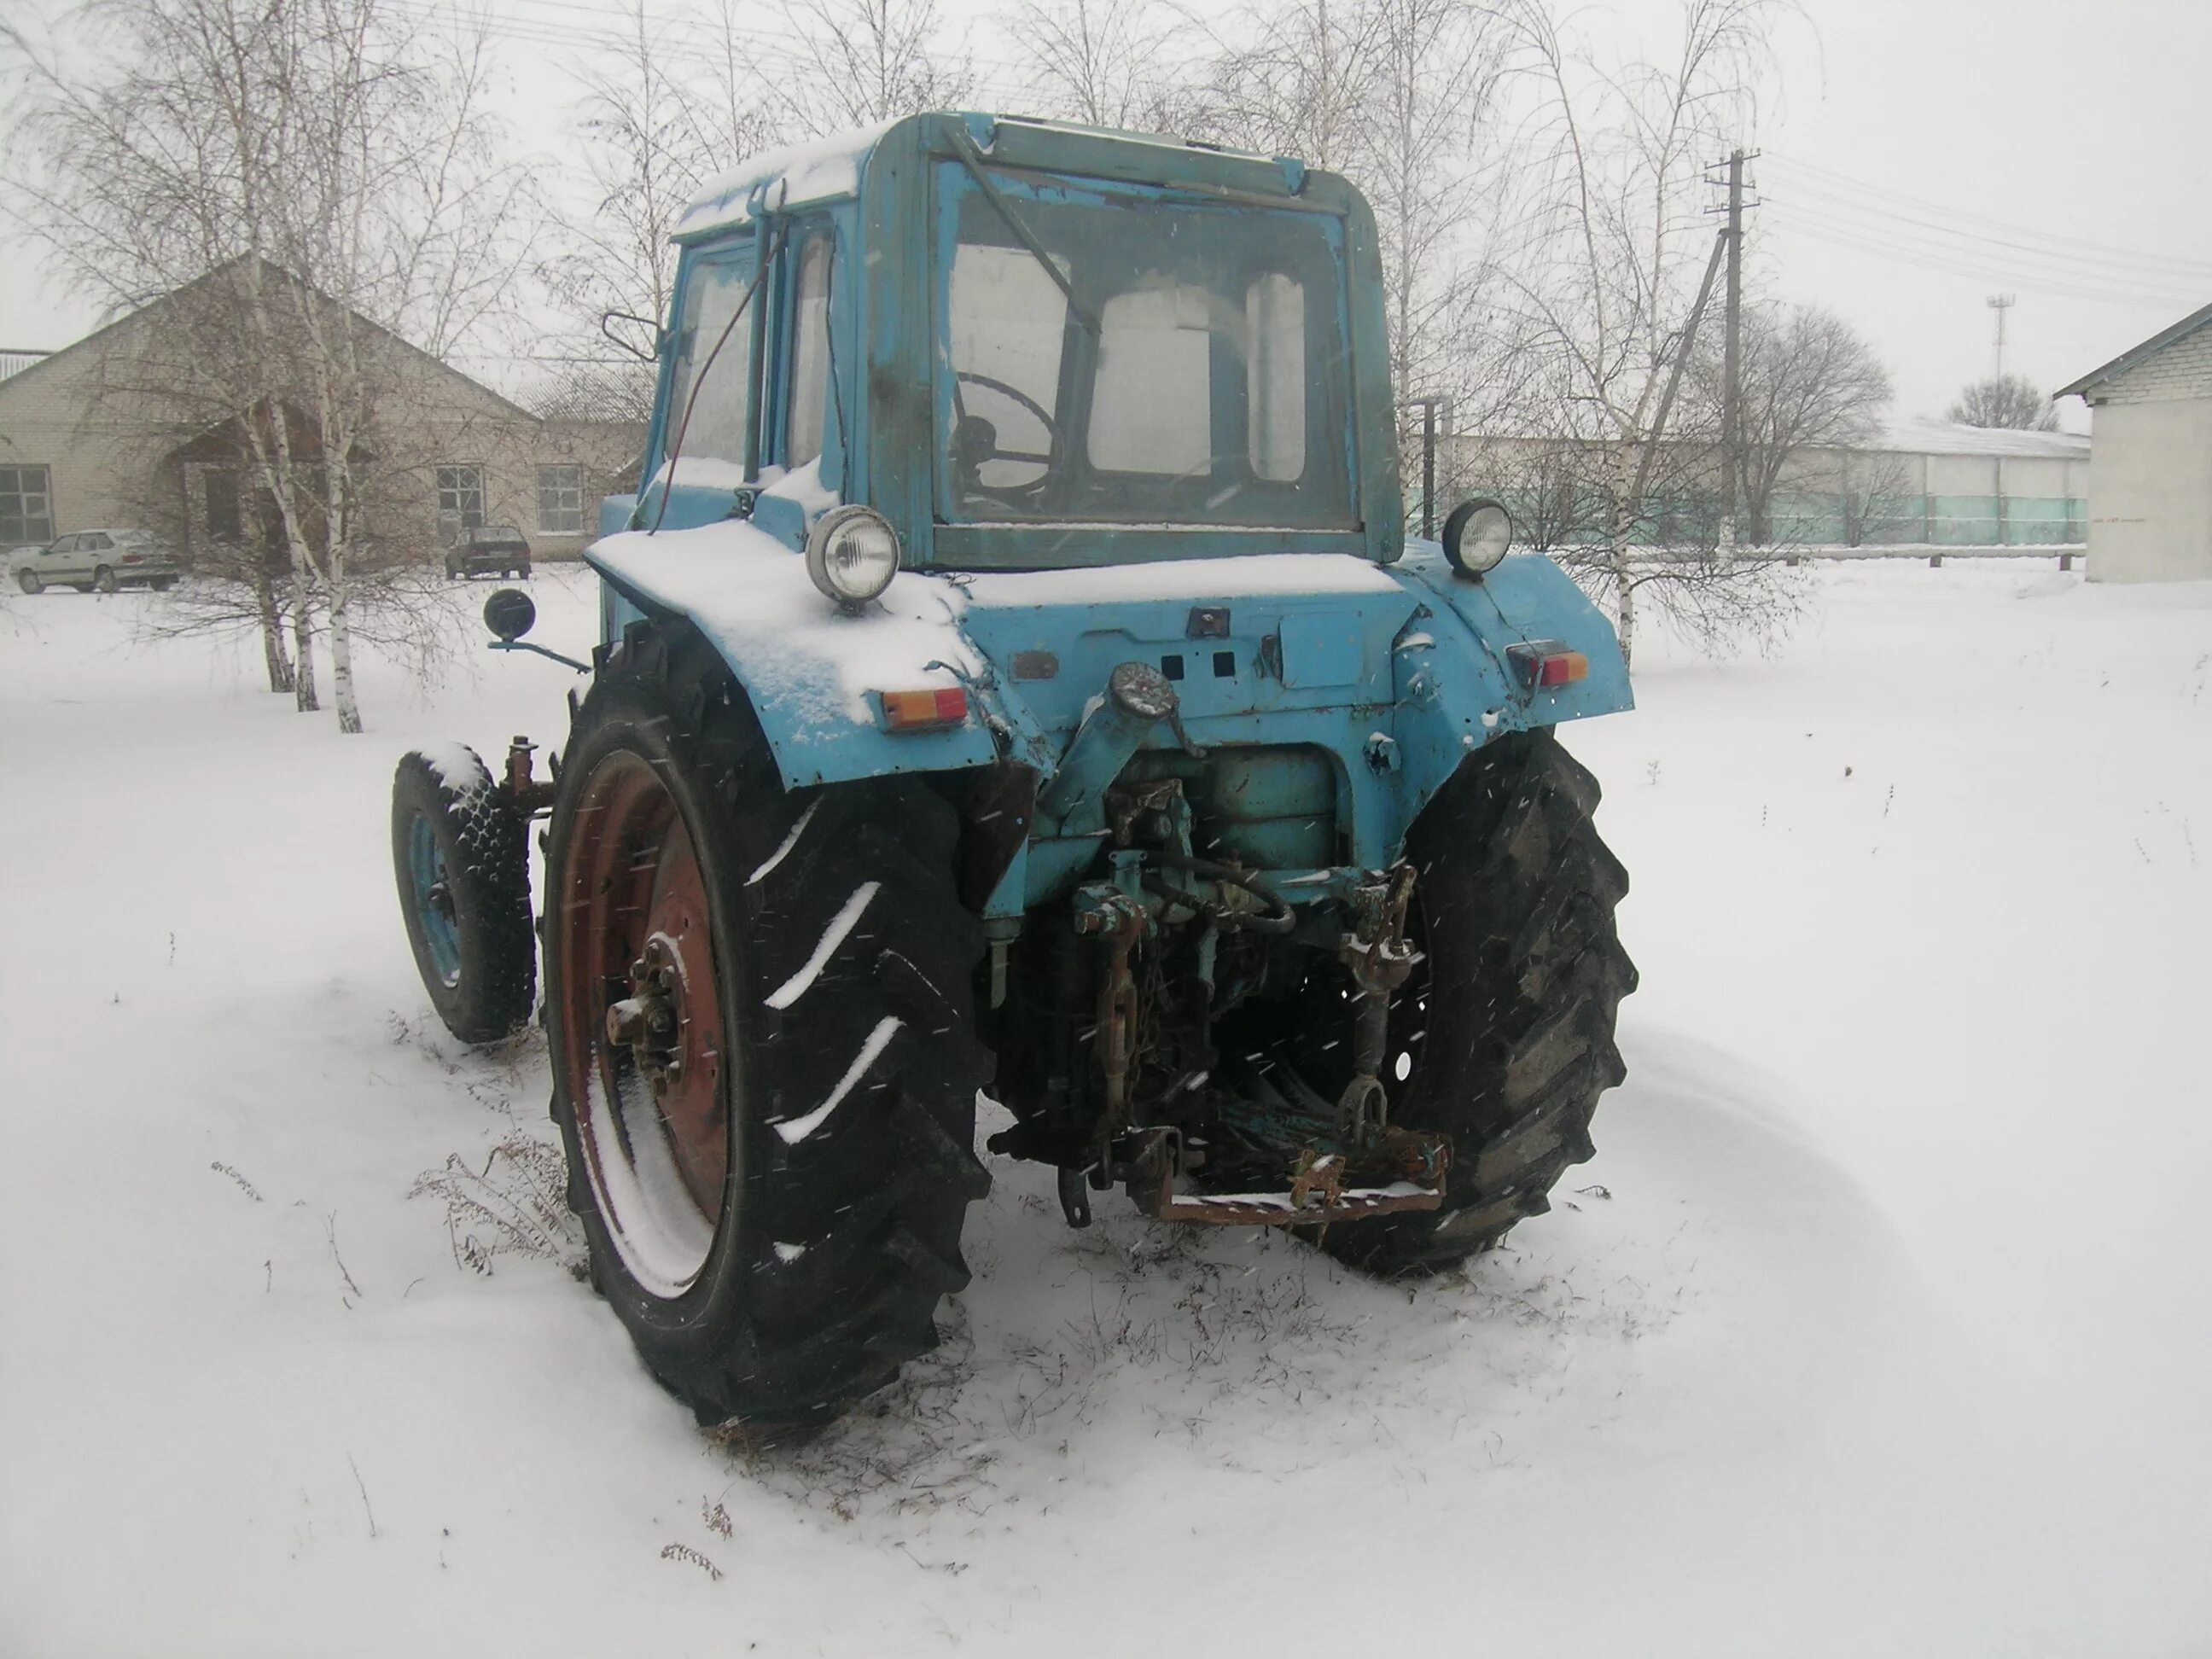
(649, 1022)
(1380, 958)
(1364, 1106)
(520, 785)
(1404, 1170)
(1379, 955)
(1144, 807)
(641, 1013)
(1119, 1013)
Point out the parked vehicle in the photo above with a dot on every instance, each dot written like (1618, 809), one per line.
(97, 561)
(497, 549)
(1032, 688)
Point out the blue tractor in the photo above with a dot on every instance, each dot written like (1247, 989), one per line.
(1014, 676)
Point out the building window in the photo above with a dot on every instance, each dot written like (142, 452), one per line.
(460, 498)
(559, 501)
(224, 521)
(27, 506)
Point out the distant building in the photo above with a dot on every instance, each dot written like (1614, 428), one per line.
(1913, 483)
(2151, 504)
(1940, 485)
(13, 360)
(89, 437)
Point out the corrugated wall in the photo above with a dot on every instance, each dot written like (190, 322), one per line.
(1831, 497)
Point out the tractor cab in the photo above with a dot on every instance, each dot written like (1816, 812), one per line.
(1030, 346)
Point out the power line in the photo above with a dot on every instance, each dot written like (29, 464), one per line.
(1844, 193)
(2079, 263)
(1917, 249)
(1958, 264)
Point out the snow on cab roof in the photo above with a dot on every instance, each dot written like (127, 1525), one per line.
(825, 168)
(811, 172)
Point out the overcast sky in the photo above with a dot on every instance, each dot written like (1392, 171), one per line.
(1922, 155)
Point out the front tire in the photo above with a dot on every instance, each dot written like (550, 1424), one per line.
(461, 855)
(28, 581)
(771, 1144)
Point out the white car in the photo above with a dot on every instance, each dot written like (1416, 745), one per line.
(101, 560)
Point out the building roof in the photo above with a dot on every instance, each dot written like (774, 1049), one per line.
(42, 360)
(1913, 435)
(2133, 354)
(13, 359)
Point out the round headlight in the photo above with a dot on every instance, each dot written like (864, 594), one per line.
(852, 553)
(1477, 536)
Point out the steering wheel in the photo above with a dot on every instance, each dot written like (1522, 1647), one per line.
(991, 452)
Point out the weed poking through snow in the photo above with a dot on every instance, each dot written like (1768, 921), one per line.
(516, 1204)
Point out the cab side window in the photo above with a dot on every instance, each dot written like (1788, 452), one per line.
(808, 390)
(710, 392)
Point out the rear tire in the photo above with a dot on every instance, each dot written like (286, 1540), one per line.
(1507, 1029)
(461, 855)
(103, 580)
(775, 1239)
(162, 584)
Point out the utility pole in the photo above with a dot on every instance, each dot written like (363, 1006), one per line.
(2000, 303)
(1732, 365)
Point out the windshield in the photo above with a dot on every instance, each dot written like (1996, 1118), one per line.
(1179, 362)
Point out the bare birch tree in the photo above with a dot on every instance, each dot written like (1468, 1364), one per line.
(857, 61)
(320, 186)
(1612, 265)
(1112, 64)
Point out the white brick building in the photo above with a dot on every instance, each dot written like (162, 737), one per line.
(2150, 485)
(89, 439)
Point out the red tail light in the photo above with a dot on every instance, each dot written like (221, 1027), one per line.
(1542, 665)
(918, 711)
(134, 559)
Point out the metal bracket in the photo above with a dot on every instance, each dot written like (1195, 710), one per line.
(524, 645)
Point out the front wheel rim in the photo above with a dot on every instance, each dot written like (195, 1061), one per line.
(642, 1027)
(434, 901)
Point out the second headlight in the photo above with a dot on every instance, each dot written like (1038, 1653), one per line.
(1476, 536)
(852, 554)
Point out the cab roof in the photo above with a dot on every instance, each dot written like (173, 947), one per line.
(825, 169)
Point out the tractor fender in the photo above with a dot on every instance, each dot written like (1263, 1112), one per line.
(813, 672)
(1456, 688)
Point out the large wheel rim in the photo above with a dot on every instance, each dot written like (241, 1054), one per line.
(434, 901)
(640, 1029)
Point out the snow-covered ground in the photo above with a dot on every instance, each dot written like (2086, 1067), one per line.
(1880, 1325)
